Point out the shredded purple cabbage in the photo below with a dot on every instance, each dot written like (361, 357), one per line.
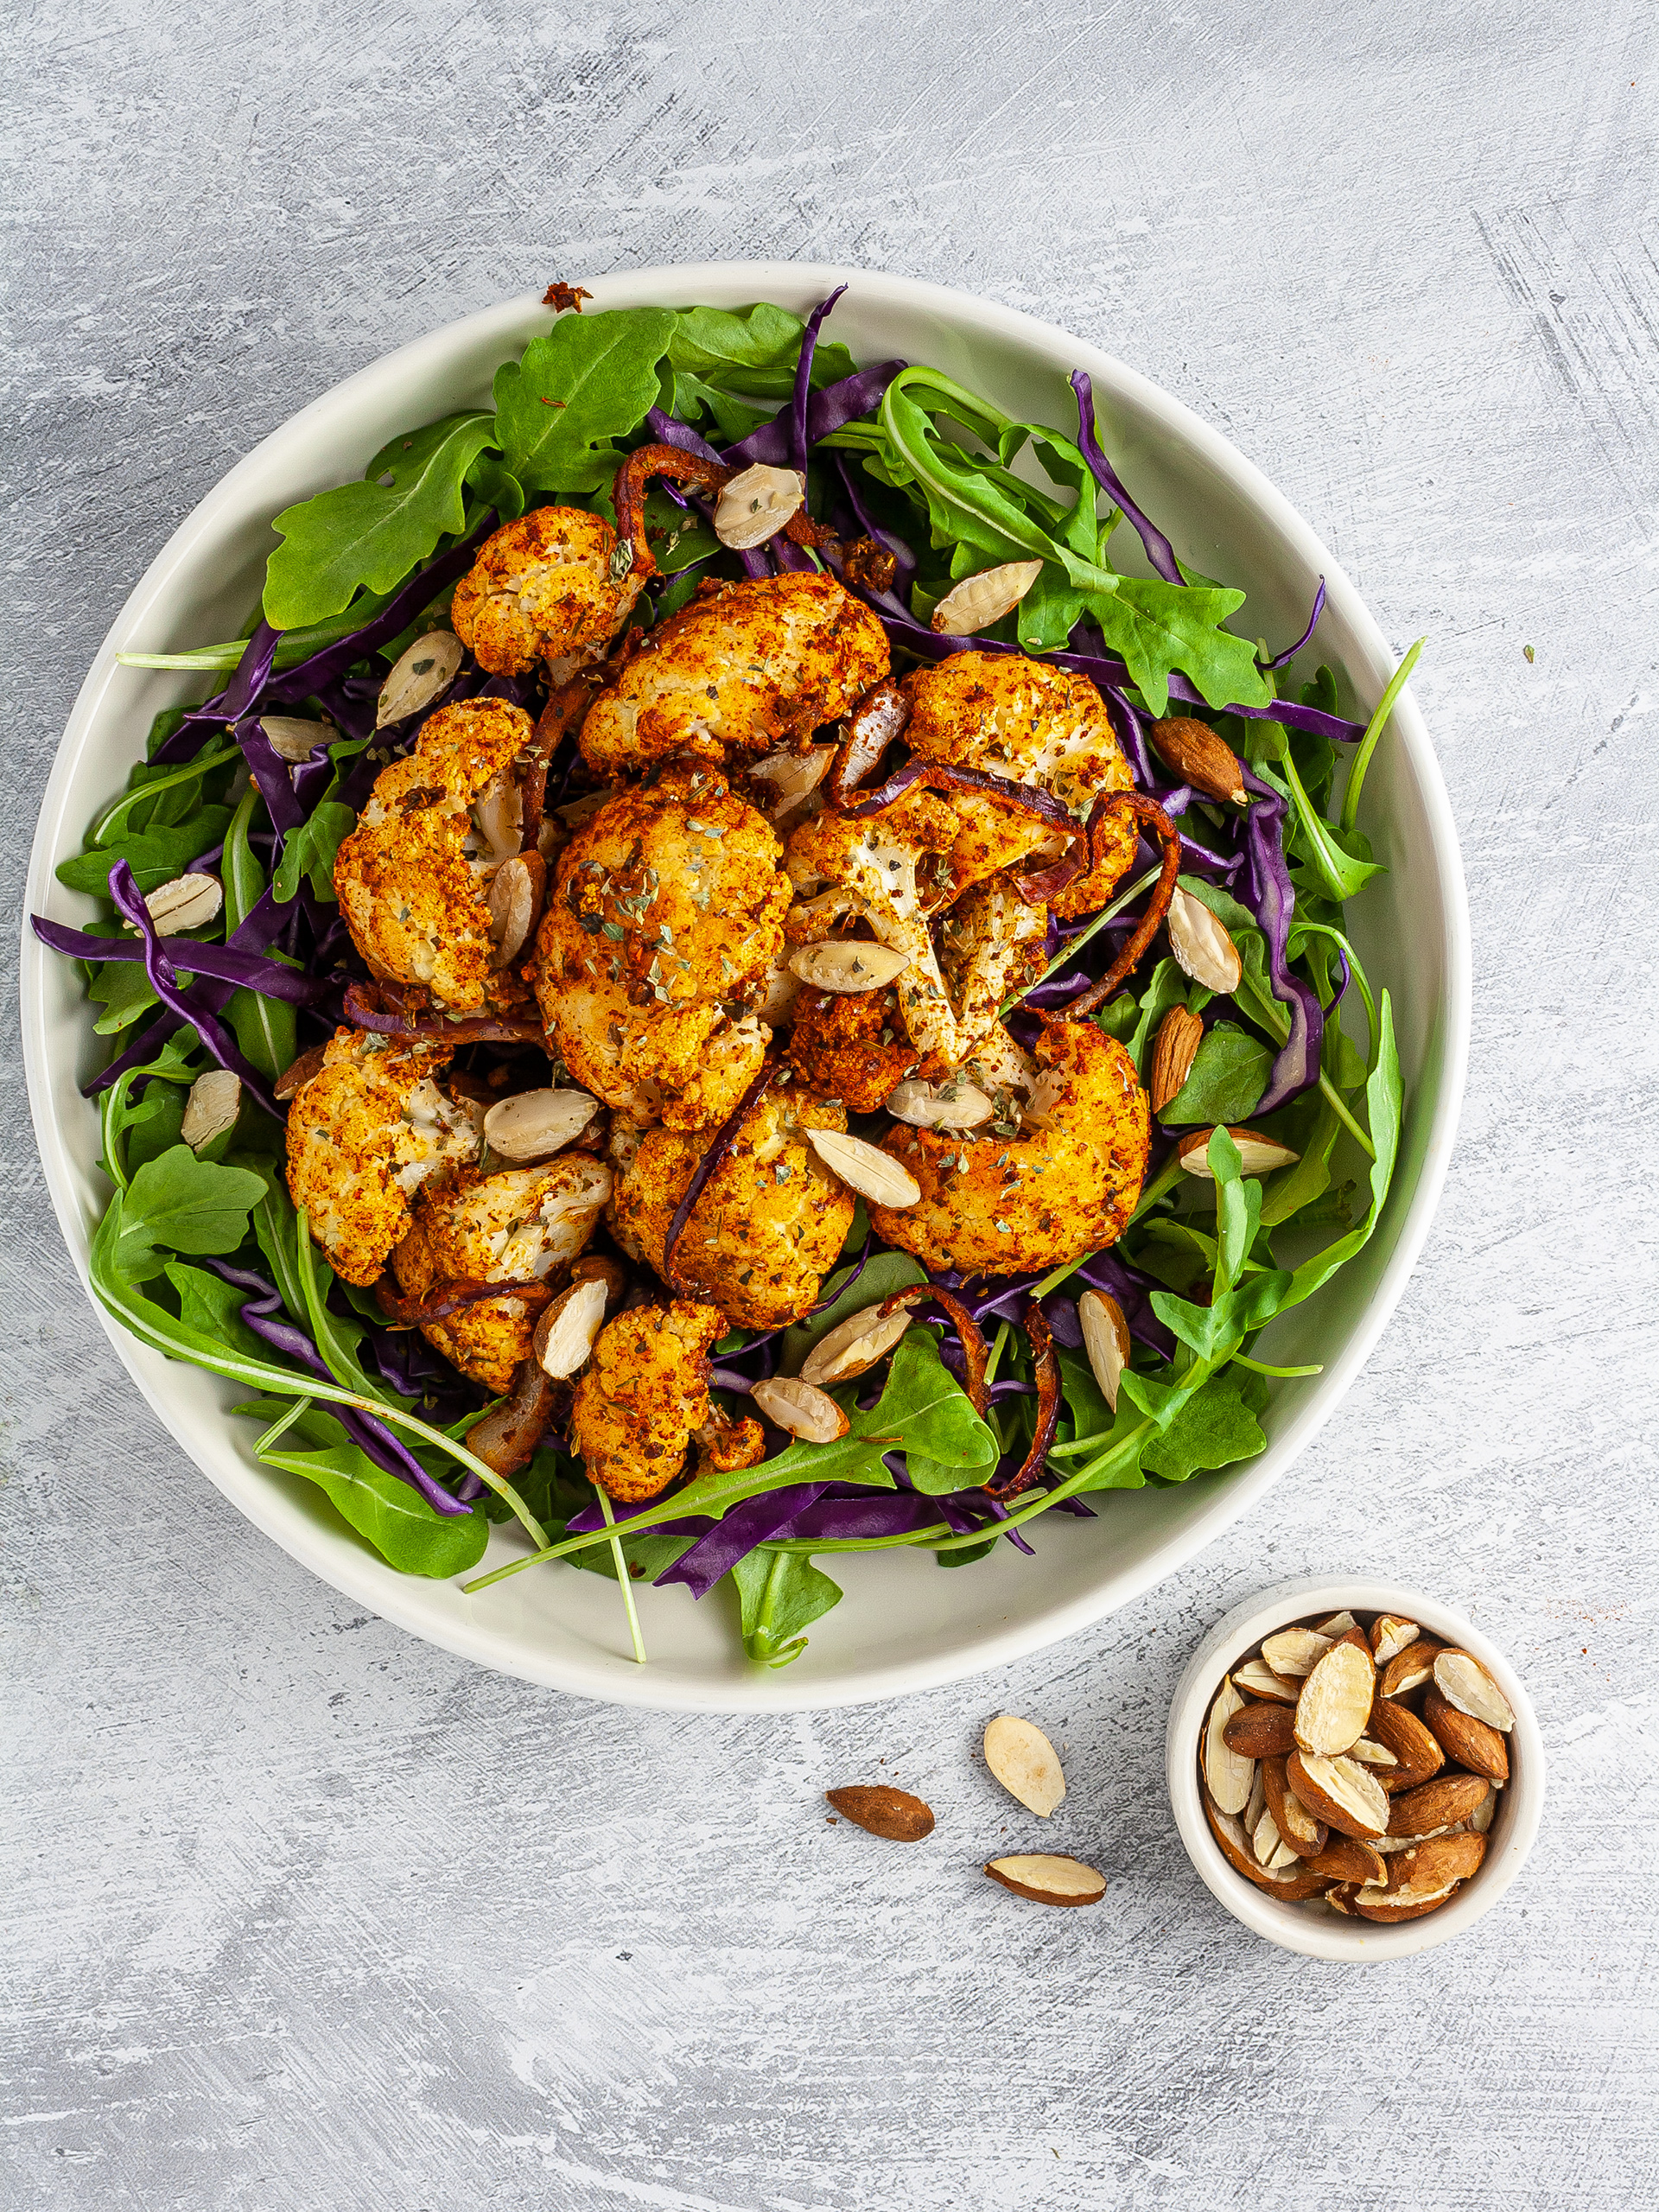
(1291, 652)
(1159, 551)
(1273, 901)
(223, 963)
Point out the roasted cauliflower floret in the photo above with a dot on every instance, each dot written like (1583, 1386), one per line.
(413, 879)
(643, 1396)
(1064, 1186)
(1031, 724)
(511, 1227)
(541, 589)
(744, 666)
(660, 932)
(852, 1046)
(878, 869)
(767, 1225)
(362, 1135)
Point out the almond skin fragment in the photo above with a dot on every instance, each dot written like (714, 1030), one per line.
(1336, 1699)
(1345, 1859)
(1048, 1878)
(1463, 1683)
(1025, 1763)
(881, 1810)
(1302, 1834)
(1471, 1743)
(1400, 1732)
(1291, 1887)
(1228, 1775)
(1410, 1669)
(1439, 1804)
(1344, 1796)
(1261, 1731)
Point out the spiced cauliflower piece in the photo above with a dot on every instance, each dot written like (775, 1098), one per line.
(516, 1226)
(1063, 1186)
(364, 1135)
(745, 666)
(413, 879)
(883, 871)
(542, 589)
(768, 1224)
(663, 926)
(852, 1046)
(644, 1395)
(1031, 724)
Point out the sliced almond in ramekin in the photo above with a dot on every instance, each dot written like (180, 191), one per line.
(1390, 1636)
(1336, 1699)
(1471, 1743)
(1258, 1680)
(1344, 1796)
(1293, 1650)
(1227, 1773)
(1409, 1669)
(1399, 1730)
(1464, 1683)
(1441, 1803)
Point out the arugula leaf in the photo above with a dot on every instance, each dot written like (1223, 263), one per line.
(495, 485)
(1228, 1075)
(177, 1203)
(1385, 1098)
(369, 533)
(590, 379)
(122, 989)
(408, 1532)
(266, 1029)
(1215, 1332)
(714, 339)
(156, 857)
(1213, 1428)
(277, 1229)
(1238, 1209)
(309, 851)
(1285, 1195)
(780, 1593)
(215, 1309)
(1158, 627)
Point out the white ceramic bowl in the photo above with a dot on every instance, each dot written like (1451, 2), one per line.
(1312, 1929)
(904, 1624)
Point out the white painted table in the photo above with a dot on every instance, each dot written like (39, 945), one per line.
(298, 1914)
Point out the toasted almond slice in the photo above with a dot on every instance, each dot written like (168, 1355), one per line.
(188, 902)
(1471, 1743)
(535, 1124)
(755, 504)
(1105, 1339)
(1388, 1914)
(863, 1167)
(800, 1409)
(1265, 1840)
(1227, 1773)
(418, 676)
(1346, 1796)
(1025, 1763)
(214, 1102)
(1302, 1834)
(290, 738)
(1340, 1898)
(952, 1105)
(1290, 1887)
(853, 1346)
(1370, 1754)
(979, 599)
(1258, 1803)
(1399, 1730)
(1390, 1636)
(564, 1336)
(1338, 1624)
(1202, 948)
(1259, 1680)
(1048, 1878)
(1257, 1154)
(1345, 1859)
(1293, 1650)
(1439, 1804)
(1331, 1713)
(847, 965)
(1409, 1669)
(1261, 1729)
(1429, 1869)
(1464, 1683)
(1481, 1818)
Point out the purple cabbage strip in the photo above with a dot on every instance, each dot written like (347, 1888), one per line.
(736, 1536)
(799, 439)
(1126, 727)
(1061, 1314)
(828, 410)
(218, 1041)
(332, 662)
(249, 969)
(1291, 652)
(668, 432)
(271, 774)
(1206, 862)
(1347, 977)
(1273, 901)
(1159, 551)
(228, 706)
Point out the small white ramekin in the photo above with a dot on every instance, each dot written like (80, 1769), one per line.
(1312, 1929)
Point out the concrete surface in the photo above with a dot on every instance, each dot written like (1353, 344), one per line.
(296, 1913)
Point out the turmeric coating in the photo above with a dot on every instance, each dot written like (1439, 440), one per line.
(643, 1396)
(541, 589)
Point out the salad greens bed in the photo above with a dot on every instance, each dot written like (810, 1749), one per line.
(202, 1254)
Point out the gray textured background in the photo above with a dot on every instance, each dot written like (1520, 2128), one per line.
(297, 1913)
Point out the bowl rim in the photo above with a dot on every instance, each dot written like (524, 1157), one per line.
(366, 1578)
(1293, 1927)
